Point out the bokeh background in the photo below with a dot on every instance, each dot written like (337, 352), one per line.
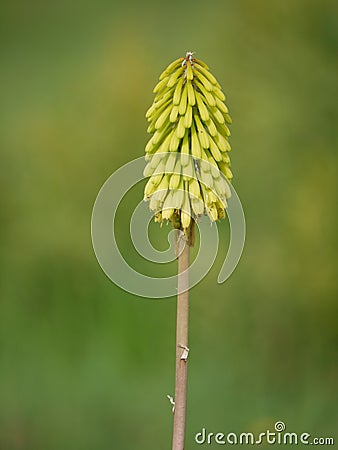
(84, 365)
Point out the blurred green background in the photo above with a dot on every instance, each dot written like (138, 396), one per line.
(84, 365)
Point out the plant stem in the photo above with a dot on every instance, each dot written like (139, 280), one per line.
(183, 256)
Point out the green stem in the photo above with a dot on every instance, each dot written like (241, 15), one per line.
(181, 342)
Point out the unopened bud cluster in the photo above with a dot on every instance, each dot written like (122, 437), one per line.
(187, 155)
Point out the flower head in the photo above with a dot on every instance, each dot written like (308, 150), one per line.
(187, 156)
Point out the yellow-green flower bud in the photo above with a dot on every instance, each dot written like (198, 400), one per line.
(187, 155)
